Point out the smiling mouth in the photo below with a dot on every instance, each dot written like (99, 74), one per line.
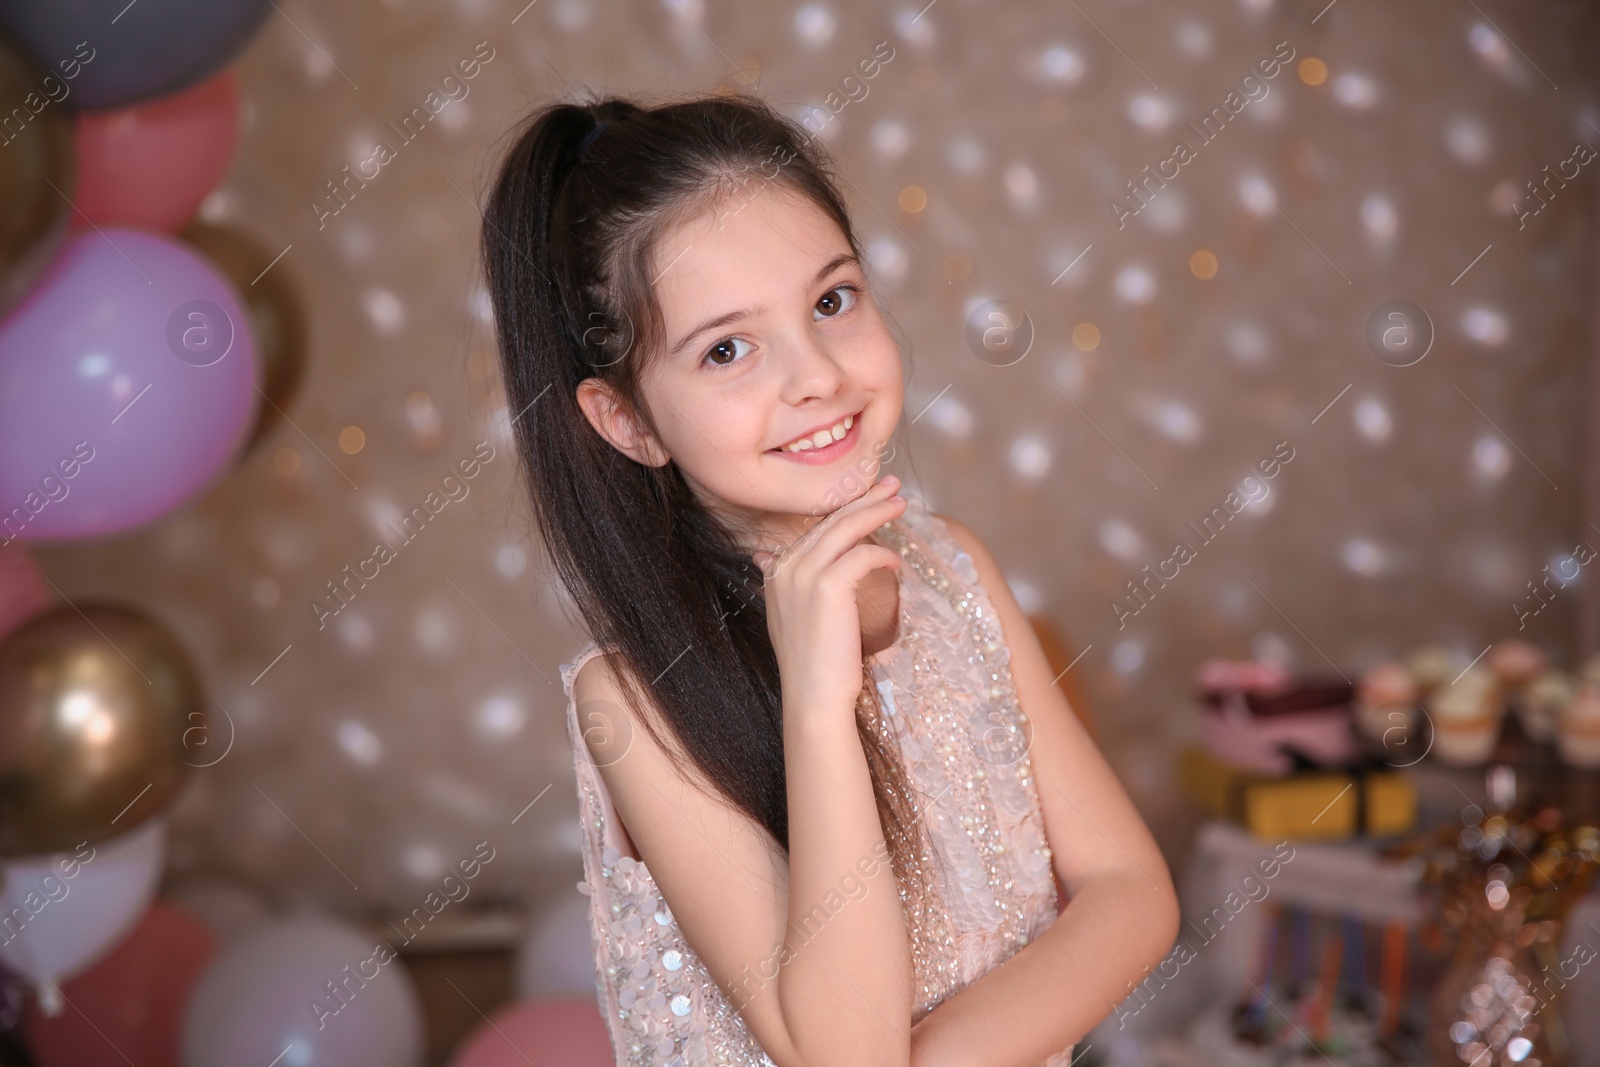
(834, 449)
(822, 439)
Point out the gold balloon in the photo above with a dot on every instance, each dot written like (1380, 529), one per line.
(277, 320)
(33, 156)
(94, 706)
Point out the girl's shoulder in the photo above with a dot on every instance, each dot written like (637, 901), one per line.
(570, 669)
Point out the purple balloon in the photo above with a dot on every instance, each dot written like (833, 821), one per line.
(127, 382)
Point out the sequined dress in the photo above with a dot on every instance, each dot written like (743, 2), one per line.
(947, 698)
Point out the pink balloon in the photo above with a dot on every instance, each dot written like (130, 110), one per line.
(131, 1003)
(22, 588)
(127, 382)
(151, 164)
(564, 1030)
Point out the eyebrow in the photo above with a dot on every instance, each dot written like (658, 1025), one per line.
(734, 316)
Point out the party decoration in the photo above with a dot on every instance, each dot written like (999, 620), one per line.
(556, 957)
(36, 173)
(151, 164)
(1503, 885)
(307, 990)
(126, 384)
(22, 588)
(155, 46)
(1436, 704)
(67, 909)
(277, 315)
(132, 1000)
(566, 1030)
(94, 703)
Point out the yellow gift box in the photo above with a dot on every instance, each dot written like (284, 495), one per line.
(1329, 805)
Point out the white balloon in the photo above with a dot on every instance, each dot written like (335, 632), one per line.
(556, 955)
(62, 912)
(281, 994)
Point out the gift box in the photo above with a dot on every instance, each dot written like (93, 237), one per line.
(1374, 801)
(1260, 717)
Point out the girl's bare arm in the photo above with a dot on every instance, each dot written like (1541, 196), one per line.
(812, 950)
(847, 986)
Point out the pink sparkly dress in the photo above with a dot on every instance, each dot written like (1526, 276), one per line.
(948, 701)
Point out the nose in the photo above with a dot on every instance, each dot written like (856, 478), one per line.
(812, 370)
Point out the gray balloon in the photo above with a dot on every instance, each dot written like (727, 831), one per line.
(154, 47)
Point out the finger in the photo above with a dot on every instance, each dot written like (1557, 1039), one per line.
(806, 543)
(849, 529)
(884, 488)
(854, 565)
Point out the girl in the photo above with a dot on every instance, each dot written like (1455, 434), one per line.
(827, 783)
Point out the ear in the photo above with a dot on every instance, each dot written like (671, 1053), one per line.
(616, 422)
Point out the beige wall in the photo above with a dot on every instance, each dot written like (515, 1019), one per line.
(427, 715)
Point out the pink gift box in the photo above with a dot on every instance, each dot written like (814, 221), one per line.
(1252, 712)
(1244, 741)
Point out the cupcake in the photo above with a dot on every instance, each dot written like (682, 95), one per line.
(1432, 666)
(1515, 662)
(1466, 717)
(1386, 698)
(1543, 701)
(1578, 728)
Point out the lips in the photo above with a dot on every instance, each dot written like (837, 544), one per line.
(828, 453)
(812, 433)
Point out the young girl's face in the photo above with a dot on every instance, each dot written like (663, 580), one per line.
(770, 336)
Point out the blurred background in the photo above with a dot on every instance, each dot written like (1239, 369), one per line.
(1254, 337)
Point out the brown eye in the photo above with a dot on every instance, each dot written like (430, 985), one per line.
(833, 302)
(725, 352)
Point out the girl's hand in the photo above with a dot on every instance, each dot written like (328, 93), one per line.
(811, 591)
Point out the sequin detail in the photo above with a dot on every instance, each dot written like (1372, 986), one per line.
(662, 1007)
(966, 747)
(948, 703)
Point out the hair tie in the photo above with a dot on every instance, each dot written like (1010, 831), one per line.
(588, 138)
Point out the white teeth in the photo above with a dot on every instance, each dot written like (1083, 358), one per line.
(822, 438)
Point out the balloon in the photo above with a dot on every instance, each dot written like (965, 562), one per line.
(155, 46)
(151, 164)
(126, 384)
(77, 905)
(276, 316)
(306, 990)
(555, 956)
(566, 1030)
(131, 1002)
(37, 171)
(22, 588)
(95, 702)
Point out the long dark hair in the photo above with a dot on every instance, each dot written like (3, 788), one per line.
(579, 202)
